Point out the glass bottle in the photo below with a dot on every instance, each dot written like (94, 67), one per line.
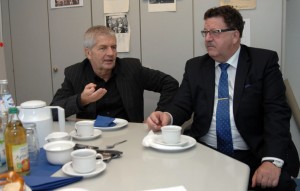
(33, 143)
(6, 98)
(6, 101)
(16, 144)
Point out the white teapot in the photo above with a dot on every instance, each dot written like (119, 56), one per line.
(36, 111)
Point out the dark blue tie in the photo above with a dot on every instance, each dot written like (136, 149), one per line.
(224, 138)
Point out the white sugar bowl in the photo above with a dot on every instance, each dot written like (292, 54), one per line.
(59, 152)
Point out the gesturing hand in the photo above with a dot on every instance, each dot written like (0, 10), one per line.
(89, 94)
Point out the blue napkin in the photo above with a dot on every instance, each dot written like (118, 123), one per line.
(43, 167)
(48, 183)
(103, 121)
(40, 175)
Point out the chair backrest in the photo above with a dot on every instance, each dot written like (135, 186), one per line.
(292, 102)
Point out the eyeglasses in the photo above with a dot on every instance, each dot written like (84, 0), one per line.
(215, 32)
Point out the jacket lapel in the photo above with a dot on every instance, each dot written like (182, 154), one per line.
(89, 78)
(210, 84)
(244, 64)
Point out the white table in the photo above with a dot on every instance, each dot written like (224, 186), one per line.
(140, 168)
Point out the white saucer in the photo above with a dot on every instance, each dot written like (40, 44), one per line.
(190, 143)
(68, 169)
(159, 140)
(119, 124)
(97, 133)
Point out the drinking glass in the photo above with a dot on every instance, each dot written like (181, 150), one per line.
(33, 142)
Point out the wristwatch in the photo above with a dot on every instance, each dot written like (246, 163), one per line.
(277, 163)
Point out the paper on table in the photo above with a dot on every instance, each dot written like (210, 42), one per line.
(176, 188)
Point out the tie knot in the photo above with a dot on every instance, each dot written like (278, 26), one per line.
(223, 66)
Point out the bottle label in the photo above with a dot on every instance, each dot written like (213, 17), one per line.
(7, 101)
(20, 158)
(2, 106)
(3, 165)
(2, 153)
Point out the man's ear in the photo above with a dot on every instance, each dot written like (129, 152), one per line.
(236, 36)
(87, 52)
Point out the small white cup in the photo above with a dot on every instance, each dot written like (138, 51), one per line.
(171, 134)
(84, 160)
(84, 128)
(57, 136)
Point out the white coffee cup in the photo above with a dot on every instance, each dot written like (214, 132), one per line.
(85, 160)
(171, 134)
(84, 128)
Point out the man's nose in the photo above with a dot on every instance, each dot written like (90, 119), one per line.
(208, 37)
(110, 51)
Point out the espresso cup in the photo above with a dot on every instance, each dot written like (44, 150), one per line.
(171, 134)
(84, 128)
(85, 160)
(58, 136)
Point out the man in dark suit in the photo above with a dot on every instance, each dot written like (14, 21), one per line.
(104, 84)
(258, 112)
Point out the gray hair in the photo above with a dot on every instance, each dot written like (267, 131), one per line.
(94, 31)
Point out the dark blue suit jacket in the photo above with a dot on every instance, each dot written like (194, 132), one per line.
(260, 110)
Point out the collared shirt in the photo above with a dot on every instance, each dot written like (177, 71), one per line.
(211, 138)
(110, 104)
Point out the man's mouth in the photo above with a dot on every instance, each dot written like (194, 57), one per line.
(108, 60)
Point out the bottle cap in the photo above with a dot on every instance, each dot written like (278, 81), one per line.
(13, 110)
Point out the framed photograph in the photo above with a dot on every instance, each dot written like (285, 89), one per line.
(66, 3)
(117, 22)
(160, 1)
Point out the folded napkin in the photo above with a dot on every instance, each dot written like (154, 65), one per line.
(148, 139)
(103, 121)
(48, 183)
(42, 167)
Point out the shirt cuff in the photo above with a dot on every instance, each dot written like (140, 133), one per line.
(272, 158)
(171, 118)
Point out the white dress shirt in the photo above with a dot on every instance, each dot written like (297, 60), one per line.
(211, 137)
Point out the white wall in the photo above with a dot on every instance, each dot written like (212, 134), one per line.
(292, 65)
(2, 65)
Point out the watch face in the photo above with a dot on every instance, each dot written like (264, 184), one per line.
(277, 163)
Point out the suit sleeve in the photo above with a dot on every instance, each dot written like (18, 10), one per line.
(66, 97)
(277, 113)
(182, 106)
(157, 81)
